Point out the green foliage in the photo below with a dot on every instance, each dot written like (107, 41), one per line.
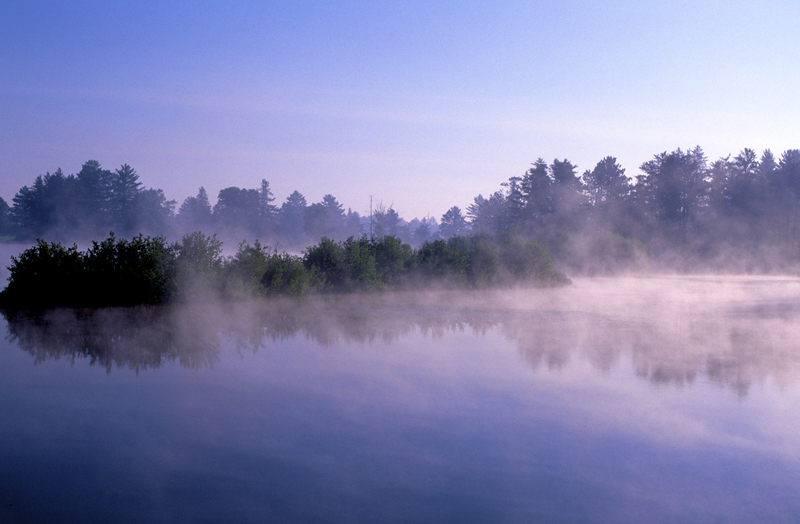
(525, 259)
(482, 260)
(198, 253)
(243, 272)
(119, 272)
(327, 261)
(114, 272)
(286, 275)
(45, 275)
(392, 259)
(443, 260)
(124, 273)
(198, 264)
(360, 263)
(6, 223)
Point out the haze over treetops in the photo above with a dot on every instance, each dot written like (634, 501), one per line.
(423, 105)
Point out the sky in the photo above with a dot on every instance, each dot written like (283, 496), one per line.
(422, 105)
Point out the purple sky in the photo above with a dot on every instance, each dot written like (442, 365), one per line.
(423, 105)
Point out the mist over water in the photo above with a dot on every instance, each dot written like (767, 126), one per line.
(630, 399)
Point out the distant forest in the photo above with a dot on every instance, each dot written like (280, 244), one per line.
(682, 212)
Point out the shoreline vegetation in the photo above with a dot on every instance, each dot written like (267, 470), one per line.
(680, 212)
(149, 270)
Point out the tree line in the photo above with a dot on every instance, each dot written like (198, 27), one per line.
(94, 201)
(150, 270)
(740, 212)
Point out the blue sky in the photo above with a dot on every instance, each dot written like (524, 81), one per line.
(423, 105)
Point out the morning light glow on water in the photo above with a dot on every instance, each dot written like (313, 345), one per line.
(670, 399)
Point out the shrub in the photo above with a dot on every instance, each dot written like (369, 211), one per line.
(118, 272)
(43, 276)
(286, 275)
(243, 272)
(199, 265)
(360, 262)
(392, 258)
(327, 263)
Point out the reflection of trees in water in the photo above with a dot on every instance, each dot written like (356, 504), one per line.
(733, 349)
(147, 337)
(134, 338)
(729, 349)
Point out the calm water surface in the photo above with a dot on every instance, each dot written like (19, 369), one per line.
(627, 400)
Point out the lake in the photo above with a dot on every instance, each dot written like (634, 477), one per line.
(661, 399)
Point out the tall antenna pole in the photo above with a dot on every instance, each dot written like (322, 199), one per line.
(370, 217)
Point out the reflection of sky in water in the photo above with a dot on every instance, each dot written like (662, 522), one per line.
(558, 411)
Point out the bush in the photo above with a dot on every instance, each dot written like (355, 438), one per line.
(124, 273)
(482, 261)
(43, 276)
(243, 272)
(442, 260)
(327, 263)
(359, 260)
(118, 272)
(392, 259)
(286, 275)
(199, 262)
(114, 272)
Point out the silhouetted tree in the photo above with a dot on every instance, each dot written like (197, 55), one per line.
(267, 211)
(336, 218)
(386, 221)
(606, 183)
(237, 212)
(93, 196)
(673, 191)
(6, 224)
(394, 225)
(352, 224)
(291, 218)
(767, 164)
(315, 221)
(154, 213)
(567, 195)
(124, 192)
(785, 189)
(535, 203)
(195, 213)
(49, 207)
(488, 214)
(453, 223)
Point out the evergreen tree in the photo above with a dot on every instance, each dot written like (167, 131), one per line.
(673, 191)
(291, 218)
(785, 182)
(267, 211)
(195, 213)
(567, 195)
(124, 191)
(94, 197)
(237, 211)
(531, 210)
(352, 224)
(6, 223)
(154, 213)
(606, 183)
(336, 218)
(488, 214)
(453, 223)
(49, 208)
(315, 222)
